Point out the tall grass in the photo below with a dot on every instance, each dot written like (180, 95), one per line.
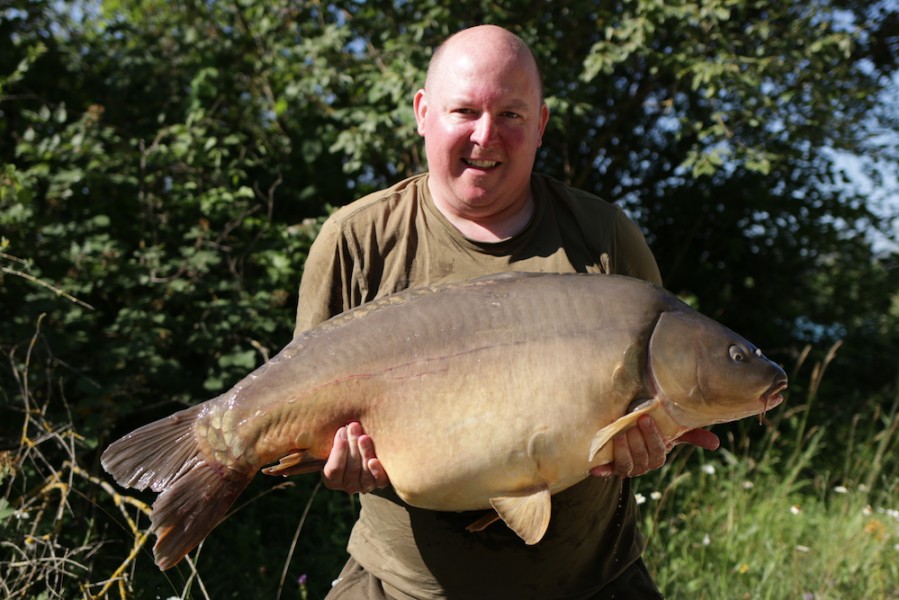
(805, 508)
(49, 544)
(67, 531)
(801, 511)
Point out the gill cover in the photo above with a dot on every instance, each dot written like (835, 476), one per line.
(701, 369)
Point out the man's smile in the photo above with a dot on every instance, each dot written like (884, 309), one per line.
(481, 164)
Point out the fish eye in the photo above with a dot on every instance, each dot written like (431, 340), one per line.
(736, 354)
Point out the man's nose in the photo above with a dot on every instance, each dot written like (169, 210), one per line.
(484, 133)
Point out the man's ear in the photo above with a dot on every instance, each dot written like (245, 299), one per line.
(420, 106)
(544, 119)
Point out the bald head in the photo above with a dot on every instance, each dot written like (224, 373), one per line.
(484, 41)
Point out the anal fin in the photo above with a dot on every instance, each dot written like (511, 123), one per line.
(296, 463)
(527, 514)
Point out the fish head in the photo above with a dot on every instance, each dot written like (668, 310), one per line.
(705, 373)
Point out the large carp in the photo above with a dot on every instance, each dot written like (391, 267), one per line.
(495, 392)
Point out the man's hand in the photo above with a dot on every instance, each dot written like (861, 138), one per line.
(642, 449)
(352, 465)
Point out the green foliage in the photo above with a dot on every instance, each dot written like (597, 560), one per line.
(718, 56)
(164, 168)
(792, 514)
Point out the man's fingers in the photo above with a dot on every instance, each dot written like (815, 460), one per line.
(352, 465)
(636, 443)
(352, 475)
(700, 437)
(623, 465)
(656, 452)
(333, 471)
(378, 473)
(366, 453)
(374, 475)
(603, 471)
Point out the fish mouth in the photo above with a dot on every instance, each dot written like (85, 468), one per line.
(772, 397)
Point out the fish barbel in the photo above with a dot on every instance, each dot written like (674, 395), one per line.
(491, 393)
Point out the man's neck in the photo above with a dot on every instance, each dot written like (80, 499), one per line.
(491, 228)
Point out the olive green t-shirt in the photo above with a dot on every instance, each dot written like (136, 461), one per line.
(396, 239)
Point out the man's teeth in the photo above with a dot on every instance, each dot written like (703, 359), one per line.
(483, 164)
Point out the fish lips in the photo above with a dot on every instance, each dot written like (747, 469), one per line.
(774, 396)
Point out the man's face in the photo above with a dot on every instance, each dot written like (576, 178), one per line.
(482, 118)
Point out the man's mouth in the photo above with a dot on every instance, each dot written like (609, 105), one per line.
(481, 164)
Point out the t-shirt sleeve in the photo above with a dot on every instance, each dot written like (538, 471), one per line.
(634, 258)
(328, 285)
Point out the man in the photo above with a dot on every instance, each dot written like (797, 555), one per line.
(481, 210)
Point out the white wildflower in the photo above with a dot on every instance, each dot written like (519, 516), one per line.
(862, 488)
(795, 509)
(867, 510)
(656, 496)
(801, 548)
(708, 469)
(706, 540)
(748, 485)
(640, 498)
(841, 489)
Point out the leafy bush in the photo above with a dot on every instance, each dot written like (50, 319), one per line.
(165, 166)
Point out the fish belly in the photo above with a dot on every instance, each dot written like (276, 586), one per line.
(462, 429)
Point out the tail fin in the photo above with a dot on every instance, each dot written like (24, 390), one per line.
(196, 491)
(187, 512)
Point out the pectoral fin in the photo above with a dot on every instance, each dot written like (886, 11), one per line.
(296, 463)
(526, 514)
(604, 435)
